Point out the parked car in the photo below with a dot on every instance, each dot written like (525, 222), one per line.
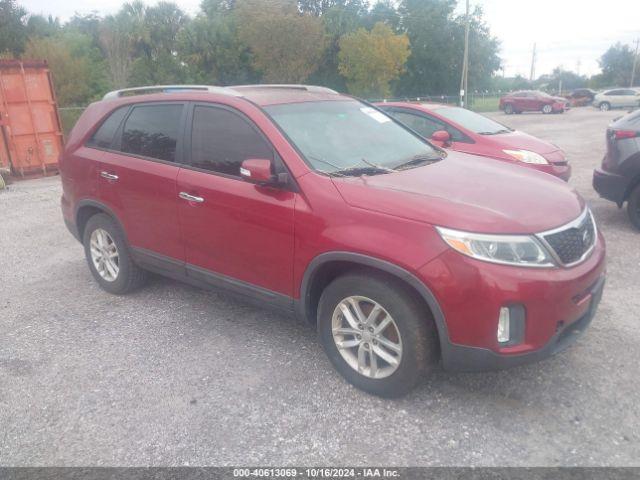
(618, 179)
(581, 97)
(617, 98)
(466, 131)
(532, 101)
(400, 253)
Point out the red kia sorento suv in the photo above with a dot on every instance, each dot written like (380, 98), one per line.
(400, 253)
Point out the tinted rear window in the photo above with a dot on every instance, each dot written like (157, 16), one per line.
(152, 131)
(103, 137)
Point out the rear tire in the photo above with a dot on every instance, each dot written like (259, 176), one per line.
(508, 109)
(604, 106)
(102, 238)
(633, 207)
(547, 109)
(411, 328)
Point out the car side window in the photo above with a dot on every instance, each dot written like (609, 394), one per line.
(103, 136)
(427, 126)
(221, 140)
(614, 92)
(424, 126)
(152, 131)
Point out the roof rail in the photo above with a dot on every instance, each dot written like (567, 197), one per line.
(284, 86)
(168, 89)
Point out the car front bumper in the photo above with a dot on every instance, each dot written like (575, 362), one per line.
(610, 185)
(559, 303)
(468, 359)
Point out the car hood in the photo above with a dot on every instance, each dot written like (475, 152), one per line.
(469, 193)
(522, 141)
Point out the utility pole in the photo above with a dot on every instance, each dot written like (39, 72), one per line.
(533, 63)
(635, 63)
(464, 78)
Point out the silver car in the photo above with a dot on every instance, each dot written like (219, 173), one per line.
(617, 98)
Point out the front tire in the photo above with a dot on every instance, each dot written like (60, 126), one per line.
(108, 256)
(376, 334)
(604, 106)
(633, 207)
(547, 109)
(508, 109)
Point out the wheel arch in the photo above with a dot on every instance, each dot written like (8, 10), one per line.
(87, 209)
(327, 266)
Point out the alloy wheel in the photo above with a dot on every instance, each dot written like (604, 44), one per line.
(104, 254)
(367, 337)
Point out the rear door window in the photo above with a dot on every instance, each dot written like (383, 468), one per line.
(103, 137)
(152, 131)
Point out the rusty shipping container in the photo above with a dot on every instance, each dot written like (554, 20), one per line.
(31, 134)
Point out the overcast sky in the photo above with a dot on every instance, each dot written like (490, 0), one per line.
(569, 33)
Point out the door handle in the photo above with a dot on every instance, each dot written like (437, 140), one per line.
(190, 198)
(109, 176)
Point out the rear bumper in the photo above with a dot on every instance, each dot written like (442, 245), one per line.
(610, 186)
(469, 359)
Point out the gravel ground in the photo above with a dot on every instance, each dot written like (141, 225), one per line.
(174, 375)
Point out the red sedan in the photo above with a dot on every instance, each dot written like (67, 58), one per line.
(532, 101)
(466, 131)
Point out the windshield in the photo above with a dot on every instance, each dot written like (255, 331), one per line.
(472, 121)
(338, 135)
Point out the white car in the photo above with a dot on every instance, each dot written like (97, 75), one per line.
(617, 98)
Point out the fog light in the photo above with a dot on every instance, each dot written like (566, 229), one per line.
(503, 325)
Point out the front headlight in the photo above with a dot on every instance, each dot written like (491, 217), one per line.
(522, 250)
(526, 156)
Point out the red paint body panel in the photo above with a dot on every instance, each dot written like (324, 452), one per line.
(468, 193)
(268, 237)
(492, 146)
(145, 200)
(241, 230)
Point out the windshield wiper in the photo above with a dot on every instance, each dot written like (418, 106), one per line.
(354, 170)
(417, 160)
(496, 132)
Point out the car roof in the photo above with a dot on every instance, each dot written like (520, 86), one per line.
(421, 105)
(268, 94)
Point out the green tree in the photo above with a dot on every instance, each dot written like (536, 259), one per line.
(338, 20)
(72, 70)
(13, 32)
(437, 46)
(382, 11)
(157, 61)
(286, 46)
(210, 46)
(370, 61)
(616, 64)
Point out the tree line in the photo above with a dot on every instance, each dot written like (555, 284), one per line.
(401, 48)
(382, 48)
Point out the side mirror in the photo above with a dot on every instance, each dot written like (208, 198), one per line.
(441, 136)
(258, 171)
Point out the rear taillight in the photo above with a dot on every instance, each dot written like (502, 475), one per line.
(621, 134)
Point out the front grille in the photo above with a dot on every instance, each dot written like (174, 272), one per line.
(572, 242)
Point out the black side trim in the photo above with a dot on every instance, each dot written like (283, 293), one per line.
(238, 286)
(203, 278)
(158, 263)
(303, 305)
